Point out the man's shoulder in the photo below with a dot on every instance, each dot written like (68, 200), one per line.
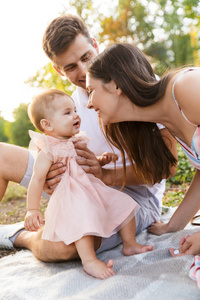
(79, 92)
(80, 96)
(74, 94)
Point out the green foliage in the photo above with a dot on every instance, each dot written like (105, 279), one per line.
(3, 136)
(19, 128)
(185, 170)
(173, 197)
(165, 30)
(47, 78)
(14, 191)
(128, 22)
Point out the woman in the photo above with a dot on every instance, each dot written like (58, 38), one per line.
(130, 101)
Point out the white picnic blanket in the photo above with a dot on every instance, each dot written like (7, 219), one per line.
(154, 275)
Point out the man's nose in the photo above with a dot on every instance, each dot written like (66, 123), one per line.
(82, 67)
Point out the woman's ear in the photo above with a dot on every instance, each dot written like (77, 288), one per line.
(118, 90)
(113, 87)
(46, 125)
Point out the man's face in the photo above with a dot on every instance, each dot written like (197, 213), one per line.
(73, 62)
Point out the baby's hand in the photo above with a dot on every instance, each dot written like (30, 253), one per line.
(107, 157)
(33, 220)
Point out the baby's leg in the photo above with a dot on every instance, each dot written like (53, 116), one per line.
(92, 265)
(130, 246)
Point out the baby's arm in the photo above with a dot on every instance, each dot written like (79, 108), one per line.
(33, 218)
(107, 157)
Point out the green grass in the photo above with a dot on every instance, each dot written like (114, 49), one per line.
(14, 191)
(174, 194)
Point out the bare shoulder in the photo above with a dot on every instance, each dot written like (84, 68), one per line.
(187, 93)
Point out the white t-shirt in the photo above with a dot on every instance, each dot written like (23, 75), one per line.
(98, 143)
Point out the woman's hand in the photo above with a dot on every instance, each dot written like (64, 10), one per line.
(189, 245)
(54, 177)
(87, 160)
(158, 228)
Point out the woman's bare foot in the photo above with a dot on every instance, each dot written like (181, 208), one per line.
(133, 248)
(99, 269)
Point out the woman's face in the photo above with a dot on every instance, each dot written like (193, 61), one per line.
(103, 98)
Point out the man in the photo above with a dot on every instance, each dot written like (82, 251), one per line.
(69, 46)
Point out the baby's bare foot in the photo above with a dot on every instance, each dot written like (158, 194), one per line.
(135, 248)
(99, 269)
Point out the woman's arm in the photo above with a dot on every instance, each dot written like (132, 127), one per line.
(184, 213)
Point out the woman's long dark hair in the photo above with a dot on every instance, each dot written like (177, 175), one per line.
(128, 67)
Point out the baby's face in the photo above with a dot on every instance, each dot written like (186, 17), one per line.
(65, 121)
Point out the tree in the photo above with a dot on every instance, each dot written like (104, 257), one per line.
(19, 128)
(3, 136)
(165, 30)
(47, 77)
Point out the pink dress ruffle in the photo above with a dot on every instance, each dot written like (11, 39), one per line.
(81, 203)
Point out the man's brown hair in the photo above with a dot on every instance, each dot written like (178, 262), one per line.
(61, 33)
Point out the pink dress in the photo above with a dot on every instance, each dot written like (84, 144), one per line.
(81, 203)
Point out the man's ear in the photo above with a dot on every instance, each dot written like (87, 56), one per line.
(59, 72)
(46, 125)
(95, 45)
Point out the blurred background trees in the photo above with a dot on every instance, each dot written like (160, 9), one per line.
(167, 31)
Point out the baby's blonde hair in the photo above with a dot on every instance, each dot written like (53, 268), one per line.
(42, 106)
